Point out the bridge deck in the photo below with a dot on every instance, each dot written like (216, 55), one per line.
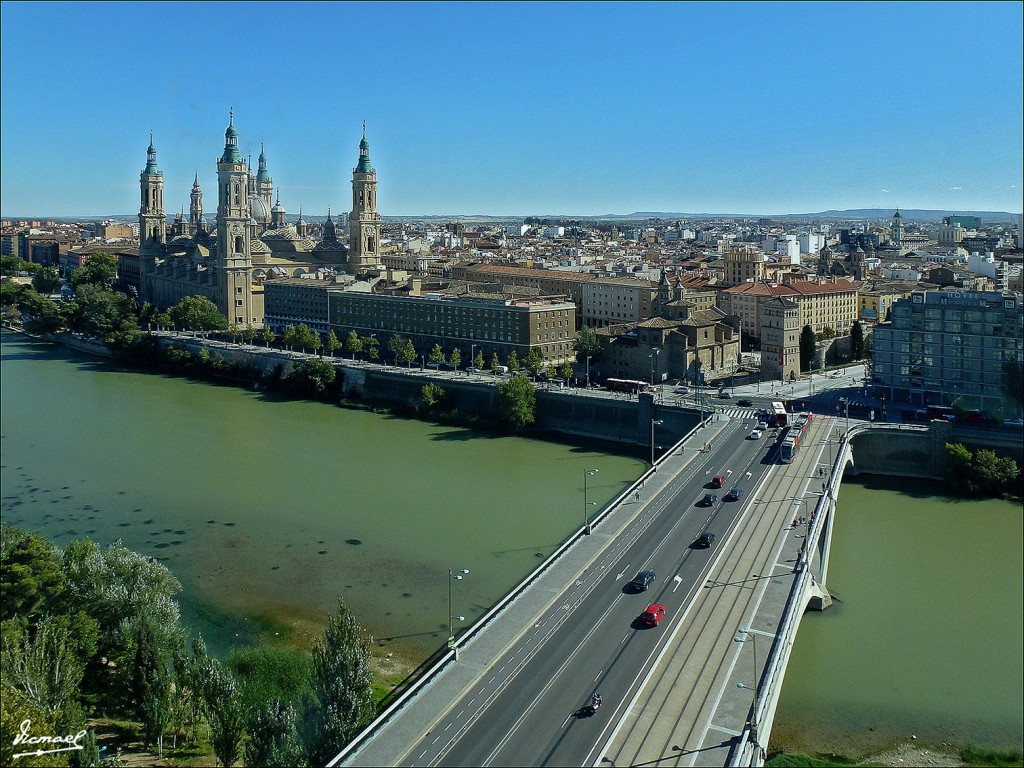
(691, 710)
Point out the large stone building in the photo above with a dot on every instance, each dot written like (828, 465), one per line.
(780, 339)
(830, 303)
(251, 241)
(946, 347)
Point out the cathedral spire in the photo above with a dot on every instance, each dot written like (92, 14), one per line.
(231, 153)
(364, 154)
(151, 167)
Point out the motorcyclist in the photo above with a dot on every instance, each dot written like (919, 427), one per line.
(596, 701)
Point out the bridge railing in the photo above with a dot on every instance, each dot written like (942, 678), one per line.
(430, 672)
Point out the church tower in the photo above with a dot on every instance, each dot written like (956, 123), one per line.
(264, 184)
(195, 207)
(897, 228)
(152, 219)
(234, 259)
(277, 214)
(364, 222)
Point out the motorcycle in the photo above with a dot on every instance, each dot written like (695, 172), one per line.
(589, 710)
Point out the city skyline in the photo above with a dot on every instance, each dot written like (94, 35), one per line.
(520, 109)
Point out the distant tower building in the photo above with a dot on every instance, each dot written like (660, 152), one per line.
(897, 228)
(264, 184)
(364, 222)
(234, 260)
(277, 214)
(152, 219)
(300, 225)
(780, 339)
(824, 261)
(195, 208)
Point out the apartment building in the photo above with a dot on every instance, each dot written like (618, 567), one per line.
(615, 300)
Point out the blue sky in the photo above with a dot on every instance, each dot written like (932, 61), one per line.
(519, 109)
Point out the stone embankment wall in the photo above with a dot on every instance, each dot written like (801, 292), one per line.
(902, 453)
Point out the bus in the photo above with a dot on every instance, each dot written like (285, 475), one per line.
(777, 416)
(790, 445)
(626, 385)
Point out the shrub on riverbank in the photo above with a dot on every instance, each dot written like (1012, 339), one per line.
(982, 473)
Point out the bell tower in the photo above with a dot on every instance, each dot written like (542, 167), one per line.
(264, 184)
(152, 220)
(364, 222)
(195, 207)
(234, 254)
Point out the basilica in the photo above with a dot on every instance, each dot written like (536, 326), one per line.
(251, 241)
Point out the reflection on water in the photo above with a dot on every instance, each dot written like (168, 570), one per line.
(268, 510)
(926, 638)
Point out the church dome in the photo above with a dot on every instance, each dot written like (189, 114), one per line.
(258, 208)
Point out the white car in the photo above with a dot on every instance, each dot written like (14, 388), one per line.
(1014, 422)
(755, 435)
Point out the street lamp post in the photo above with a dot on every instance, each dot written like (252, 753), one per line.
(453, 576)
(587, 504)
(654, 362)
(653, 423)
(753, 714)
(472, 349)
(588, 371)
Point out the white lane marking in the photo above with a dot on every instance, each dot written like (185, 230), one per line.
(678, 580)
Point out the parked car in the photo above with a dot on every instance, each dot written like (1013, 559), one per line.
(708, 500)
(653, 614)
(734, 494)
(745, 403)
(705, 540)
(642, 581)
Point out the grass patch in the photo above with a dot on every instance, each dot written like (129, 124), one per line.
(977, 756)
(796, 760)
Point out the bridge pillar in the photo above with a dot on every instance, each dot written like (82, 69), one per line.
(820, 598)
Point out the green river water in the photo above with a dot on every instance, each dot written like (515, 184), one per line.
(268, 510)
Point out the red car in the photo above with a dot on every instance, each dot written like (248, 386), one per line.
(653, 614)
(718, 481)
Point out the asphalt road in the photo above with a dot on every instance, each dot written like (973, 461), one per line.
(523, 710)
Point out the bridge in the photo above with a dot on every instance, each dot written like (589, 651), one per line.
(699, 689)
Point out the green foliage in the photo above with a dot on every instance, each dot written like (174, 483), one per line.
(342, 700)
(99, 270)
(533, 362)
(151, 686)
(807, 347)
(455, 358)
(12, 265)
(353, 344)
(586, 344)
(89, 755)
(371, 347)
(828, 332)
(513, 361)
(331, 343)
(856, 341)
(274, 739)
(266, 335)
(197, 313)
(435, 397)
(436, 355)
(268, 675)
(42, 663)
(249, 334)
(407, 353)
(225, 714)
(100, 312)
(15, 708)
(982, 473)
(979, 756)
(395, 345)
(30, 574)
(517, 402)
(566, 371)
(41, 314)
(494, 362)
(478, 361)
(312, 378)
(45, 280)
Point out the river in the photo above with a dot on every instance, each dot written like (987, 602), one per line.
(268, 510)
(925, 639)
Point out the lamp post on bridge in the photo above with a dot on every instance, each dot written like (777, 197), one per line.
(453, 576)
(653, 423)
(753, 714)
(587, 504)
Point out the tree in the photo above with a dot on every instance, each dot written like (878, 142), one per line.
(314, 341)
(100, 270)
(197, 313)
(586, 344)
(828, 332)
(100, 312)
(371, 347)
(513, 361)
(266, 674)
(234, 331)
(566, 371)
(42, 663)
(533, 362)
(274, 739)
(151, 686)
(436, 356)
(856, 340)
(342, 700)
(406, 353)
(478, 361)
(45, 280)
(517, 402)
(290, 337)
(455, 358)
(331, 344)
(495, 363)
(267, 335)
(16, 708)
(434, 396)
(224, 712)
(353, 344)
(30, 574)
(249, 334)
(312, 377)
(808, 346)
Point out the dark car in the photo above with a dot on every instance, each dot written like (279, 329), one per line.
(642, 581)
(734, 494)
(705, 540)
(708, 500)
(447, 367)
(724, 395)
(653, 614)
(745, 403)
